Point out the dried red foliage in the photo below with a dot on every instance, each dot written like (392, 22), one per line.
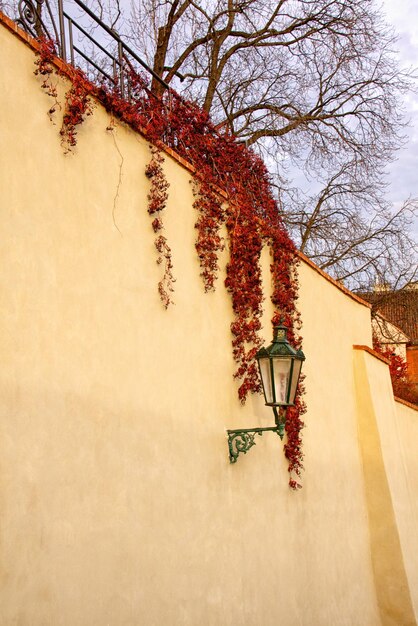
(209, 240)
(45, 69)
(285, 293)
(78, 104)
(157, 200)
(251, 216)
(401, 384)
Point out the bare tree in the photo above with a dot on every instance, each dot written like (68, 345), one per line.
(311, 82)
(350, 230)
(314, 82)
(315, 77)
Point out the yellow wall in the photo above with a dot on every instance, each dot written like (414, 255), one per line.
(118, 503)
(393, 538)
(404, 436)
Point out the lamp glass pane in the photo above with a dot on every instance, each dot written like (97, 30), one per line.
(266, 378)
(281, 368)
(295, 378)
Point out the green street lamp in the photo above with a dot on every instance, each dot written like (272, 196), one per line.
(280, 365)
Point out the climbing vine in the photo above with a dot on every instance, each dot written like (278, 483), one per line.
(45, 68)
(157, 200)
(78, 105)
(284, 296)
(246, 207)
(209, 240)
(398, 368)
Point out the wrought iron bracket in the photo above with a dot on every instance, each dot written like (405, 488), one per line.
(242, 440)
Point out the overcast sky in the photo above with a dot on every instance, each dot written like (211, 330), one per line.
(403, 15)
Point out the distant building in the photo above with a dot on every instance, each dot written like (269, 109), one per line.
(401, 309)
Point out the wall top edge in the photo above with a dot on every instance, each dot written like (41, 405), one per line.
(65, 68)
(372, 352)
(406, 403)
(331, 280)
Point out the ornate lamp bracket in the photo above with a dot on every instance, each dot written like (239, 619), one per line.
(243, 439)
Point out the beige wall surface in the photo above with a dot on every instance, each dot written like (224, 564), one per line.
(393, 534)
(118, 503)
(405, 438)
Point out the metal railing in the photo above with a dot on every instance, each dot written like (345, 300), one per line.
(103, 57)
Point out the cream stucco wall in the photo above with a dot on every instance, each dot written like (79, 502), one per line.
(393, 536)
(403, 439)
(118, 503)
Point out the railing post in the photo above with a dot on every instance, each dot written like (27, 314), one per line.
(70, 39)
(121, 78)
(63, 51)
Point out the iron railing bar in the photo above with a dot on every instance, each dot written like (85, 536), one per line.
(127, 48)
(96, 43)
(62, 29)
(57, 37)
(121, 77)
(70, 39)
(99, 69)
